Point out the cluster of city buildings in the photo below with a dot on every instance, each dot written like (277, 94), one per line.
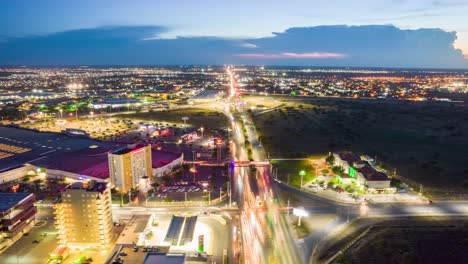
(50, 90)
(357, 83)
(360, 170)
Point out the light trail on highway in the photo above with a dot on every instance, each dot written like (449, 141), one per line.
(265, 234)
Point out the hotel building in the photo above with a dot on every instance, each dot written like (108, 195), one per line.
(128, 166)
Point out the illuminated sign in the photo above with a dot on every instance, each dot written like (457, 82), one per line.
(300, 212)
(218, 141)
(352, 172)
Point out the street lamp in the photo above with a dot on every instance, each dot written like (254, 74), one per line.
(202, 129)
(302, 173)
(185, 118)
(61, 111)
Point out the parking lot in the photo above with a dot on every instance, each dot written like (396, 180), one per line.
(180, 191)
(32, 248)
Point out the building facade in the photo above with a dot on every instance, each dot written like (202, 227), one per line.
(18, 216)
(83, 217)
(127, 166)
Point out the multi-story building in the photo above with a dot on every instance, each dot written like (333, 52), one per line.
(129, 166)
(84, 218)
(18, 216)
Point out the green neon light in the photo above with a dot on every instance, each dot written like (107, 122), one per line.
(352, 172)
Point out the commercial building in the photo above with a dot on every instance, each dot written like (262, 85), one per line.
(24, 150)
(116, 103)
(163, 162)
(18, 216)
(129, 166)
(83, 217)
(361, 171)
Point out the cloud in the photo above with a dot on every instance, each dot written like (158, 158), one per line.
(291, 55)
(340, 45)
(248, 45)
(465, 56)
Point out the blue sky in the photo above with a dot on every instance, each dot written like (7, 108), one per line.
(47, 25)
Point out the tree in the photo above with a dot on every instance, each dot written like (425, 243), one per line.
(330, 159)
(395, 183)
(337, 169)
(186, 167)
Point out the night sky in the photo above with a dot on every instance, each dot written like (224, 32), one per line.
(392, 33)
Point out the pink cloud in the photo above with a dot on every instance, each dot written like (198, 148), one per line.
(291, 55)
(465, 56)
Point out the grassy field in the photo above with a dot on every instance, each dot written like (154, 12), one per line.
(261, 101)
(196, 117)
(290, 169)
(416, 244)
(425, 142)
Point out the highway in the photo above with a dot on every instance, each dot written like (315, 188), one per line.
(266, 237)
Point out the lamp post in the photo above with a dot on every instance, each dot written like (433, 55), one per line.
(76, 111)
(302, 173)
(185, 118)
(201, 130)
(61, 111)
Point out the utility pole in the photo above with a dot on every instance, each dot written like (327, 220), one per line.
(185, 197)
(218, 156)
(229, 186)
(193, 165)
(229, 193)
(288, 207)
(220, 191)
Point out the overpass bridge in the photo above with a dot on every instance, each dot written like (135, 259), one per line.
(247, 163)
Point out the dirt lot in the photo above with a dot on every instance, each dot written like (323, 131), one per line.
(425, 142)
(414, 242)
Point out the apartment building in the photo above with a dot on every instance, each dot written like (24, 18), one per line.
(83, 217)
(18, 216)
